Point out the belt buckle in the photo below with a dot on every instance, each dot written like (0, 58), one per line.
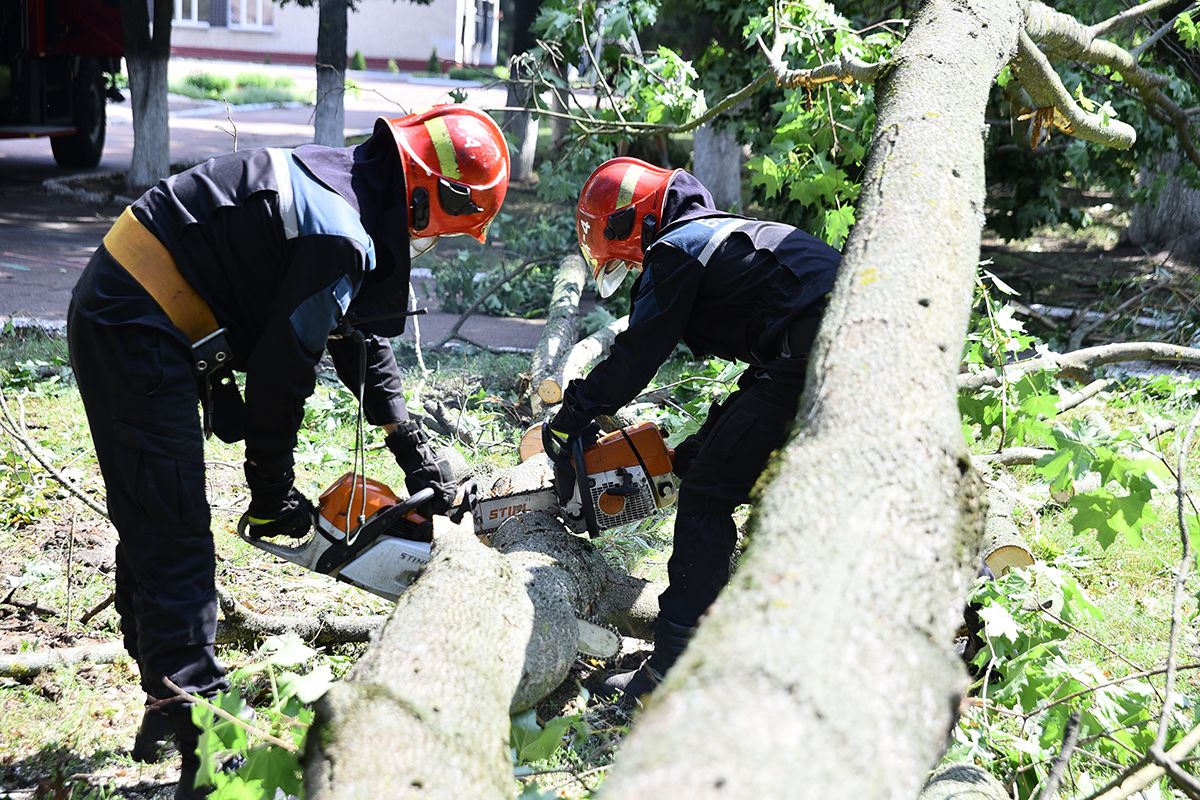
(210, 353)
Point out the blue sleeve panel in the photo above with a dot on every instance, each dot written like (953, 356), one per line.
(316, 317)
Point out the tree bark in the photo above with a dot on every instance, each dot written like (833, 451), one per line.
(963, 782)
(329, 125)
(558, 335)
(522, 128)
(877, 480)
(146, 57)
(717, 162)
(1170, 217)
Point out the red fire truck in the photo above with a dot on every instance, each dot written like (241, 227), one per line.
(55, 59)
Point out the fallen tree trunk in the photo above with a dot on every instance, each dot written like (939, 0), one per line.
(877, 481)
(1003, 545)
(558, 337)
(24, 666)
(482, 633)
(585, 353)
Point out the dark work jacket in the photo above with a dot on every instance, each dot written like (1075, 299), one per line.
(280, 263)
(726, 286)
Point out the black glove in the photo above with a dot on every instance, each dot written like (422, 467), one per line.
(422, 468)
(276, 508)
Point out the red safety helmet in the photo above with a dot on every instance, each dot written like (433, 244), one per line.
(620, 200)
(455, 170)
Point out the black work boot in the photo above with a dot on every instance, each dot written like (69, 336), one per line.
(154, 734)
(187, 737)
(670, 640)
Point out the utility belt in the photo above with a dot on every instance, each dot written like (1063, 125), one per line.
(143, 256)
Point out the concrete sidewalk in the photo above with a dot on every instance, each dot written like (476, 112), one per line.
(46, 240)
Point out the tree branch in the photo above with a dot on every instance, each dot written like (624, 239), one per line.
(1127, 16)
(1054, 779)
(846, 69)
(1085, 360)
(1045, 87)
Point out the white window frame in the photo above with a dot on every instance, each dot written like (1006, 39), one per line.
(242, 26)
(178, 20)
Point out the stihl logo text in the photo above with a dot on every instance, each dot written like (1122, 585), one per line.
(507, 511)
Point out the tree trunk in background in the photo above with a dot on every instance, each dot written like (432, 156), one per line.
(329, 126)
(717, 162)
(826, 667)
(521, 128)
(146, 57)
(1170, 218)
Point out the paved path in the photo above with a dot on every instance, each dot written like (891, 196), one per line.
(46, 240)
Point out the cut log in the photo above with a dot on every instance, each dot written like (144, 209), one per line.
(24, 666)
(558, 336)
(1003, 545)
(482, 633)
(531, 442)
(963, 782)
(581, 357)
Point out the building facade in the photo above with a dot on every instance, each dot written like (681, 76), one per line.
(458, 32)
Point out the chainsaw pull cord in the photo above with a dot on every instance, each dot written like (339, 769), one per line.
(642, 464)
(359, 466)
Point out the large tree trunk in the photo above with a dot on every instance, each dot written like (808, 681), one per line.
(1170, 218)
(481, 633)
(809, 664)
(717, 162)
(146, 57)
(329, 126)
(522, 128)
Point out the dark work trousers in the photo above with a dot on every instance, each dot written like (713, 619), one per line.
(737, 440)
(141, 398)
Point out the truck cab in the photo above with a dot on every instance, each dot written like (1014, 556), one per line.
(55, 59)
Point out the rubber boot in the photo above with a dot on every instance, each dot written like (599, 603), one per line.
(187, 736)
(154, 735)
(670, 640)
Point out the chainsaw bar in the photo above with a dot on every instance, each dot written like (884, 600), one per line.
(492, 512)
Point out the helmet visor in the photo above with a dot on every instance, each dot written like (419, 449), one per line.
(420, 245)
(611, 276)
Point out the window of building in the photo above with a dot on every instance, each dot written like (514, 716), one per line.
(251, 14)
(191, 12)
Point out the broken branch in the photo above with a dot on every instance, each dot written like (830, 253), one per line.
(1082, 361)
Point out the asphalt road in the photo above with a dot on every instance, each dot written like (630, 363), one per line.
(46, 240)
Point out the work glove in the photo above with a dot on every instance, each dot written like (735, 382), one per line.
(409, 443)
(276, 508)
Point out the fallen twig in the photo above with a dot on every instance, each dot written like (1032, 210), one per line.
(17, 432)
(103, 604)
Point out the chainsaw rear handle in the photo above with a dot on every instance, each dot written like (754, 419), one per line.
(409, 503)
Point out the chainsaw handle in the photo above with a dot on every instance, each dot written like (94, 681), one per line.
(413, 501)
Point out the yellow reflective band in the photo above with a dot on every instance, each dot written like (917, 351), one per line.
(258, 521)
(440, 135)
(628, 184)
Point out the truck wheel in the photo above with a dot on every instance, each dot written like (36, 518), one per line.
(84, 147)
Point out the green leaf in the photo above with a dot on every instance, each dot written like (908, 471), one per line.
(288, 650)
(998, 623)
(1110, 515)
(306, 688)
(838, 222)
(533, 742)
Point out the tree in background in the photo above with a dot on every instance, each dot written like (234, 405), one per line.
(147, 51)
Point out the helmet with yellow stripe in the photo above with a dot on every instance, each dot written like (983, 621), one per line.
(620, 206)
(455, 170)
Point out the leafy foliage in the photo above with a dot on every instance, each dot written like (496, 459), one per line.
(284, 681)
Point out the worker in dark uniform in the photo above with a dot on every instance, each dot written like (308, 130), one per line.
(727, 286)
(258, 262)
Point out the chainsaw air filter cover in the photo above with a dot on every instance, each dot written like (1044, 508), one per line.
(629, 475)
(349, 498)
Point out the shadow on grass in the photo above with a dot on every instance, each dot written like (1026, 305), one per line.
(57, 772)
